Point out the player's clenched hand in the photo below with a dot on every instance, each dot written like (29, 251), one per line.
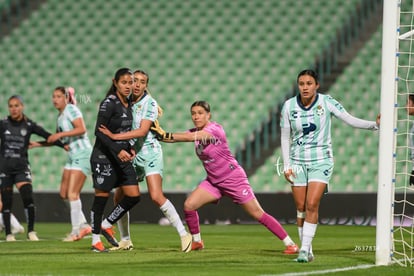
(289, 175)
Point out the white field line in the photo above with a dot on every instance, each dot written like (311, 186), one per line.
(326, 271)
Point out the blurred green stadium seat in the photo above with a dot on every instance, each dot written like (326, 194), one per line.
(240, 56)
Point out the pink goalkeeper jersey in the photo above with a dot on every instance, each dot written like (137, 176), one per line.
(215, 154)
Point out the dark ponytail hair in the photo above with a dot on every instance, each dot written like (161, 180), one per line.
(121, 72)
(308, 72)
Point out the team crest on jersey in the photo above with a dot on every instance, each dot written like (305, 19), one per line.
(319, 110)
(99, 180)
(23, 132)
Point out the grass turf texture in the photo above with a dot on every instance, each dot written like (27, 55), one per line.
(230, 250)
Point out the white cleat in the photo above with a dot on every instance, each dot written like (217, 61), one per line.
(32, 236)
(186, 242)
(123, 245)
(10, 238)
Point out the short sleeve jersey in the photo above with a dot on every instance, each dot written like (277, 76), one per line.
(145, 109)
(79, 143)
(310, 127)
(215, 154)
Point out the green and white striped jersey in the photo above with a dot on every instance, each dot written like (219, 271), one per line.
(310, 128)
(145, 109)
(77, 144)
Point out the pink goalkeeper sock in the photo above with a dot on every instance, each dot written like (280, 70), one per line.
(192, 220)
(273, 225)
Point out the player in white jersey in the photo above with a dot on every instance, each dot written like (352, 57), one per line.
(148, 161)
(307, 151)
(71, 130)
(410, 111)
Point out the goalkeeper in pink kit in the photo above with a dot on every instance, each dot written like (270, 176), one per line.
(225, 177)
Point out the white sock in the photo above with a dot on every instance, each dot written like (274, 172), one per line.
(16, 227)
(309, 230)
(123, 226)
(1, 221)
(300, 232)
(197, 237)
(96, 238)
(82, 219)
(75, 210)
(171, 213)
(106, 224)
(288, 241)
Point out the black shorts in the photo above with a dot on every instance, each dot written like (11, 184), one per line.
(8, 180)
(109, 175)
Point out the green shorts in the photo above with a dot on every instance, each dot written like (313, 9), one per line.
(312, 172)
(80, 161)
(148, 163)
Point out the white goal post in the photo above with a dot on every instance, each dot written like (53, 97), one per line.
(387, 135)
(395, 198)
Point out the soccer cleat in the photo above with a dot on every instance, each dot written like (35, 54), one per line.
(109, 234)
(291, 249)
(303, 257)
(71, 238)
(311, 257)
(99, 247)
(32, 236)
(10, 238)
(197, 245)
(84, 231)
(123, 245)
(186, 242)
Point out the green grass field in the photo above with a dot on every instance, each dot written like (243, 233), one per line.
(230, 250)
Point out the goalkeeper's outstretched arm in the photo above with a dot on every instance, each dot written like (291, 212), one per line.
(187, 136)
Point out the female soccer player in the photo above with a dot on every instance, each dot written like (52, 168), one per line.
(111, 160)
(71, 130)
(15, 132)
(149, 161)
(307, 151)
(225, 177)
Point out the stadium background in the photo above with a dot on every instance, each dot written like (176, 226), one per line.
(241, 56)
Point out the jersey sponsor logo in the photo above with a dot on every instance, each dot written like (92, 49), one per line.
(308, 128)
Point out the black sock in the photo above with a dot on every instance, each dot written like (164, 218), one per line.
(26, 193)
(122, 207)
(97, 210)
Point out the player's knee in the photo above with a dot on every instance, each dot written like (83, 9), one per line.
(129, 201)
(26, 193)
(189, 205)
